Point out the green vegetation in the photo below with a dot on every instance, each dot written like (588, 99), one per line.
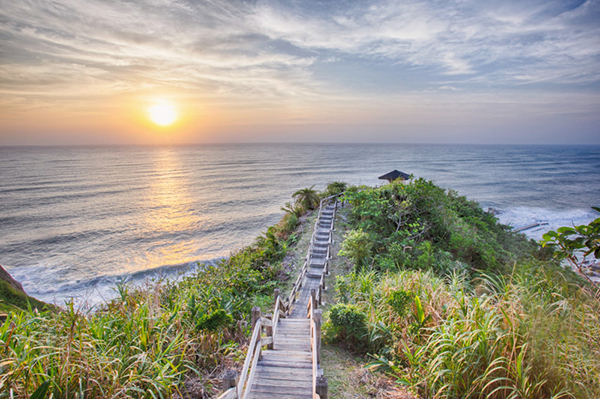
(307, 198)
(422, 226)
(164, 339)
(15, 300)
(334, 188)
(451, 304)
(439, 297)
(575, 243)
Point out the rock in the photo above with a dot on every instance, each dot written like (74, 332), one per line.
(4, 275)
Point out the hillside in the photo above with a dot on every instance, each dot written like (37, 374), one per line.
(451, 304)
(428, 292)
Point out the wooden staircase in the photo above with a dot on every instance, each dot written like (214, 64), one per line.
(290, 367)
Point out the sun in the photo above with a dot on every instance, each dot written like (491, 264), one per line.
(162, 114)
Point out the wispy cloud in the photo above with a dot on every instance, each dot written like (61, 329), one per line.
(305, 53)
(512, 42)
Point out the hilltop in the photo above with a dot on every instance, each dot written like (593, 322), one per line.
(428, 292)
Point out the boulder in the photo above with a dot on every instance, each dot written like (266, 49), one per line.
(4, 275)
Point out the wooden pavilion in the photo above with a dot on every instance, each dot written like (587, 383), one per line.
(394, 175)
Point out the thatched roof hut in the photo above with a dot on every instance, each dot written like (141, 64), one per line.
(393, 175)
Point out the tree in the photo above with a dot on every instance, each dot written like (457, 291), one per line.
(575, 243)
(307, 197)
(337, 187)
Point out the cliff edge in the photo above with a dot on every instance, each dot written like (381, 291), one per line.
(13, 296)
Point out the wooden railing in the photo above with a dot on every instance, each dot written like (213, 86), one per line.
(319, 383)
(234, 389)
(299, 280)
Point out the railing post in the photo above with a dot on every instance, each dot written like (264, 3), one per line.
(321, 388)
(276, 294)
(313, 299)
(320, 296)
(318, 318)
(230, 379)
(256, 314)
(269, 331)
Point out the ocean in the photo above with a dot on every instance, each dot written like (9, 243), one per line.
(74, 221)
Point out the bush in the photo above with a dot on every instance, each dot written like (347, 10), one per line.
(419, 225)
(337, 187)
(400, 300)
(214, 321)
(357, 246)
(347, 323)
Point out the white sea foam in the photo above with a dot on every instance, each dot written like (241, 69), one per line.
(47, 282)
(71, 231)
(550, 219)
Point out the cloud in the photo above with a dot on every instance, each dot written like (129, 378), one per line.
(100, 45)
(312, 59)
(544, 39)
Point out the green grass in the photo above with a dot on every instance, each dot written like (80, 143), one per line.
(453, 305)
(161, 340)
(15, 300)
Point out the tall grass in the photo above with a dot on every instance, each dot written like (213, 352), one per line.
(151, 341)
(130, 349)
(526, 335)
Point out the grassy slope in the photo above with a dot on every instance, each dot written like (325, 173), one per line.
(344, 369)
(528, 330)
(164, 339)
(14, 300)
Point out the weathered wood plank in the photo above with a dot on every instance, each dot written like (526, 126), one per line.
(283, 341)
(293, 333)
(260, 395)
(293, 345)
(305, 348)
(289, 383)
(278, 363)
(295, 360)
(265, 389)
(273, 372)
(284, 352)
(270, 373)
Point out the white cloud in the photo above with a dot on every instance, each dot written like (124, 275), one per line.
(269, 52)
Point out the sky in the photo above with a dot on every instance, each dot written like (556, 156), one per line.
(457, 71)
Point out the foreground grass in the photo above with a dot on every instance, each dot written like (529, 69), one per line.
(440, 298)
(15, 300)
(165, 339)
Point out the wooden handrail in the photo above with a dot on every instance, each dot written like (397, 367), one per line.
(231, 393)
(315, 365)
(249, 357)
(315, 343)
(282, 309)
(292, 297)
(276, 317)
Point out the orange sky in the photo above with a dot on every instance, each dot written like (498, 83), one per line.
(86, 72)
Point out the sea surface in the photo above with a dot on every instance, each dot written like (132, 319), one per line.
(74, 221)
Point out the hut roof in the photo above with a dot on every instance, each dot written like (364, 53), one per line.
(394, 174)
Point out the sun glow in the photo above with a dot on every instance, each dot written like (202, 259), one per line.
(162, 114)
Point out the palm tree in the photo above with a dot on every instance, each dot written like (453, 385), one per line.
(307, 197)
(293, 209)
(336, 187)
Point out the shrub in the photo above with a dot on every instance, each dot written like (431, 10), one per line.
(357, 246)
(348, 324)
(336, 187)
(214, 321)
(399, 300)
